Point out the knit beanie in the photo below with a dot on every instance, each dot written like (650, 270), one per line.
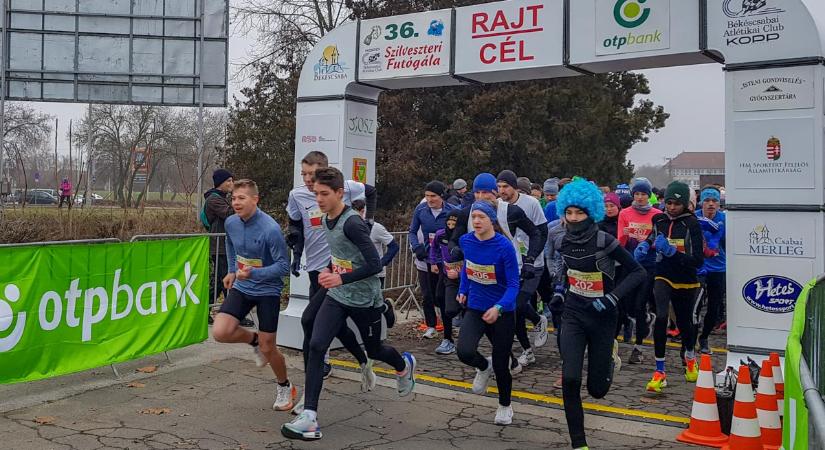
(486, 209)
(219, 176)
(641, 185)
(524, 185)
(436, 187)
(612, 197)
(584, 195)
(509, 177)
(485, 182)
(459, 184)
(551, 186)
(678, 191)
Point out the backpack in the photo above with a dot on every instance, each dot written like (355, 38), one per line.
(204, 219)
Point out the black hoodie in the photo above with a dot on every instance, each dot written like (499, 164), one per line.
(683, 231)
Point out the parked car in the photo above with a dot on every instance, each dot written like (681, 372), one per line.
(95, 197)
(52, 192)
(40, 198)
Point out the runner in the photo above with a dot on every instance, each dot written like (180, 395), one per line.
(531, 267)
(712, 272)
(678, 241)
(353, 292)
(306, 236)
(635, 225)
(489, 286)
(429, 217)
(258, 261)
(551, 192)
(459, 196)
(380, 238)
(593, 292)
(449, 280)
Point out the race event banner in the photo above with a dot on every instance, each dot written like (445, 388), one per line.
(68, 308)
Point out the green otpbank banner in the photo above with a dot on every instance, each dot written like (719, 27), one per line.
(795, 418)
(67, 308)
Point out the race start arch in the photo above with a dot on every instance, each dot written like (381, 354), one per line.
(772, 55)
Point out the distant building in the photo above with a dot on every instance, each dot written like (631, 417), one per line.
(692, 167)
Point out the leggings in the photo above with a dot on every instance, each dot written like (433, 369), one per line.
(684, 302)
(344, 334)
(525, 311)
(644, 298)
(500, 335)
(433, 296)
(715, 287)
(332, 316)
(451, 307)
(584, 328)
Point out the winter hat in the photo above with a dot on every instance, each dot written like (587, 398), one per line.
(509, 177)
(612, 197)
(485, 182)
(641, 185)
(678, 191)
(219, 176)
(436, 187)
(459, 184)
(486, 208)
(581, 194)
(626, 200)
(710, 193)
(551, 186)
(524, 184)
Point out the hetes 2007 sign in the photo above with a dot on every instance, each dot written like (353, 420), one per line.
(772, 293)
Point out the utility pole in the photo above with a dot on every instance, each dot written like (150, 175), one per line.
(87, 198)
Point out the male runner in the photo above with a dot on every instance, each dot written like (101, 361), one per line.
(258, 261)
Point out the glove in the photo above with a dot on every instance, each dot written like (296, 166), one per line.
(420, 252)
(292, 238)
(456, 254)
(663, 246)
(641, 251)
(605, 304)
(528, 271)
(295, 267)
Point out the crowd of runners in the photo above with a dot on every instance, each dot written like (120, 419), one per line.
(500, 259)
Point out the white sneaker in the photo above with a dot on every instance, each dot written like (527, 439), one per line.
(504, 415)
(303, 427)
(299, 407)
(285, 397)
(367, 376)
(541, 333)
(483, 378)
(515, 370)
(260, 360)
(617, 361)
(527, 358)
(430, 333)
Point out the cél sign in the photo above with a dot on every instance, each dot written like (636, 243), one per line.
(510, 47)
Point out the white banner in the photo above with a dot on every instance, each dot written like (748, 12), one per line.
(774, 89)
(772, 234)
(629, 26)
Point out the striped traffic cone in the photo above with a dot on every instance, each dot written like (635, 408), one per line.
(766, 408)
(744, 430)
(779, 382)
(704, 426)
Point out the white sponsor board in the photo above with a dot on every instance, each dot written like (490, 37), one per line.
(774, 89)
(772, 234)
(330, 66)
(629, 26)
(361, 126)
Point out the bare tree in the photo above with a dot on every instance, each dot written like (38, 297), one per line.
(26, 130)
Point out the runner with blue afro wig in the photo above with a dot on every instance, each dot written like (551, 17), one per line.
(583, 195)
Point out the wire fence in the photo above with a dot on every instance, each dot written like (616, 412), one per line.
(402, 276)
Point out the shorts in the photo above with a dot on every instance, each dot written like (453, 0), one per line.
(238, 305)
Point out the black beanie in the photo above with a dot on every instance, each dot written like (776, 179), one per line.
(219, 176)
(436, 187)
(509, 177)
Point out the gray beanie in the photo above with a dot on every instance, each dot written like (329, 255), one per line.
(551, 186)
(524, 184)
(459, 184)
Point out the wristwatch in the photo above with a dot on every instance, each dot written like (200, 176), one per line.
(498, 307)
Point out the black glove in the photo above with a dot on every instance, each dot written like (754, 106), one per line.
(456, 254)
(295, 267)
(420, 252)
(527, 270)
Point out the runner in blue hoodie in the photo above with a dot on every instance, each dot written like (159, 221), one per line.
(712, 273)
(489, 286)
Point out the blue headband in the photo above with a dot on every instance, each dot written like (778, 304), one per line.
(486, 209)
(710, 193)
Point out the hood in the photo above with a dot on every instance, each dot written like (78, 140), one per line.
(209, 193)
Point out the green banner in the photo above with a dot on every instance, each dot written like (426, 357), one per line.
(795, 417)
(68, 308)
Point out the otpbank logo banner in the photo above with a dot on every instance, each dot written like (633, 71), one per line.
(67, 308)
(629, 26)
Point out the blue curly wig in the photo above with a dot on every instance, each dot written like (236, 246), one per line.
(582, 194)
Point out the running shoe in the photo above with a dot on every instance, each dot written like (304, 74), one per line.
(406, 382)
(285, 397)
(658, 382)
(504, 415)
(260, 360)
(483, 378)
(704, 347)
(559, 383)
(367, 376)
(303, 427)
(691, 371)
(635, 356)
(515, 367)
(299, 407)
(430, 333)
(389, 312)
(446, 348)
(327, 370)
(541, 333)
(527, 358)
(617, 361)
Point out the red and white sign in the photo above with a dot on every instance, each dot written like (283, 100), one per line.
(509, 35)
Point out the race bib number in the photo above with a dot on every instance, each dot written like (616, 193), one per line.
(586, 284)
(315, 217)
(480, 273)
(341, 266)
(678, 243)
(639, 231)
(248, 262)
(453, 265)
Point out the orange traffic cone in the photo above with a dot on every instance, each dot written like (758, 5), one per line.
(779, 382)
(704, 417)
(767, 410)
(744, 430)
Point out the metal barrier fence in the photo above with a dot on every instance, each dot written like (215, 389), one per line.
(402, 276)
(812, 364)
